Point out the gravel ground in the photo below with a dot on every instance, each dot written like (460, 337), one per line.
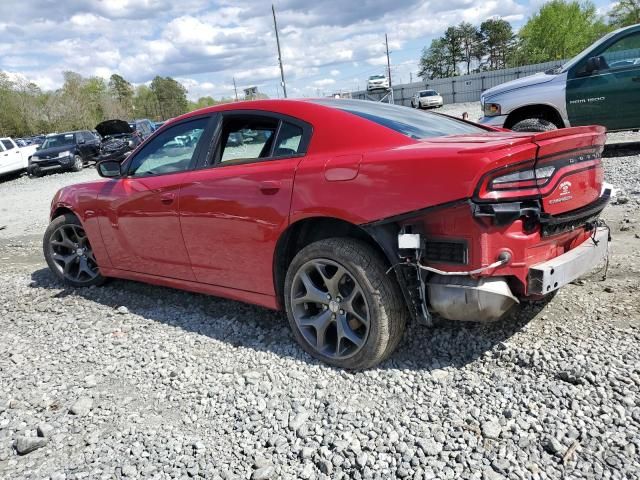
(130, 380)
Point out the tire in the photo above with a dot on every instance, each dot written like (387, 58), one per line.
(534, 125)
(356, 271)
(63, 240)
(78, 163)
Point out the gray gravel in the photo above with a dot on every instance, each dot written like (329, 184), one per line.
(135, 381)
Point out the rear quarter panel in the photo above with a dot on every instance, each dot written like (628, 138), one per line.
(398, 180)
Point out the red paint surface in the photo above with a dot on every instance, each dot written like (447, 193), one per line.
(215, 230)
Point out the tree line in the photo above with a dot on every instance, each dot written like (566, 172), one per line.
(559, 30)
(83, 102)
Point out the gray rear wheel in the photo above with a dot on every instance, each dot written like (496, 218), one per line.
(342, 306)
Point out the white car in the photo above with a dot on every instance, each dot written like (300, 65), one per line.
(12, 157)
(427, 99)
(377, 82)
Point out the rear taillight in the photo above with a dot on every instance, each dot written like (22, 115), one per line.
(532, 178)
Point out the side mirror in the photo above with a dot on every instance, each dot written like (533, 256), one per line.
(109, 169)
(81, 141)
(595, 64)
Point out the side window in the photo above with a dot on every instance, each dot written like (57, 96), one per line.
(623, 53)
(245, 138)
(7, 144)
(289, 140)
(172, 151)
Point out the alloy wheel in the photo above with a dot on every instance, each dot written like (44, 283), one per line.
(330, 309)
(72, 254)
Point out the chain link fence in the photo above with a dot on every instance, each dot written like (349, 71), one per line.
(464, 88)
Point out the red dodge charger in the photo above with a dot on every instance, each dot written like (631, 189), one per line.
(352, 216)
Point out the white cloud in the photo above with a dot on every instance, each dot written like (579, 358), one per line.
(210, 42)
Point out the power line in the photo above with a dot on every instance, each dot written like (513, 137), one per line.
(275, 26)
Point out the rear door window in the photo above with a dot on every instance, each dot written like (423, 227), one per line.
(246, 137)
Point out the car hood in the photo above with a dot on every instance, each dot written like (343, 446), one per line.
(113, 127)
(536, 79)
(53, 151)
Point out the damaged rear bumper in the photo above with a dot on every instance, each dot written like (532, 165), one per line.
(548, 276)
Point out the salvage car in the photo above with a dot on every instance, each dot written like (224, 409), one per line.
(349, 215)
(427, 99)
(118, 139)
(598, 86)
(377, 82)
(14, 158)
(64, 151)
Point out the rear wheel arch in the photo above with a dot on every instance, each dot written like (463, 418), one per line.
(304, 232)
(545, 112)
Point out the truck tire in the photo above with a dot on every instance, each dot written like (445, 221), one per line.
(342, 306)
(534, 125)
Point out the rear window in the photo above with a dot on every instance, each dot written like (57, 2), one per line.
(408, 121)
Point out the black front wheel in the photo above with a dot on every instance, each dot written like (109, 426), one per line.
(69, 254)
(342, 306)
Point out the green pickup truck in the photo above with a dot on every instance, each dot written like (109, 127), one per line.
(599, 86)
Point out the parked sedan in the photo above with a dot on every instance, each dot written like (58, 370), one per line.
(427, 99)
(349, 215)
(64, 151)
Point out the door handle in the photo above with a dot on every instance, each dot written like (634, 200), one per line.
(269, 187)
(167, 198)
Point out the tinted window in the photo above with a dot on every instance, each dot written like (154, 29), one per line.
(289, 140)
(86, 136)
(408, 121)
(7, 144)
(623, 53)
(171, 151)
(246, 137)
(61, 140)
(428, 93)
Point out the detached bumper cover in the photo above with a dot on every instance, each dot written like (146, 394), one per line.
(550, 275)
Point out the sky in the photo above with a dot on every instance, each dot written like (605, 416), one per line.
(327, 45)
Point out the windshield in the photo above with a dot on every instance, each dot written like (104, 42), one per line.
(61, 140)
(577, 58)
(428, 93)
(408, 121)
(377, 77)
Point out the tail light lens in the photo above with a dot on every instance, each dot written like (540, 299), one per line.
(532, 178)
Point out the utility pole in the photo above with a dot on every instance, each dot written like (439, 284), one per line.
(386, 42)
(410, 77)
(275, 26)
(235, 89)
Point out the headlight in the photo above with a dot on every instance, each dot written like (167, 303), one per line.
(33, 158)
(66, 153)
(491, 109)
